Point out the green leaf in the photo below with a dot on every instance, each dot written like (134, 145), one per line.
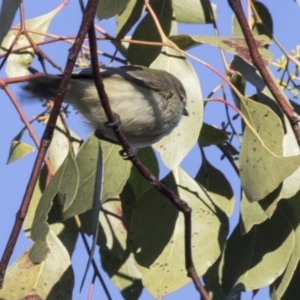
(217, 187)
(293, 290)
(290, 147)
(109, 8)
(116, 171)
(193, 11)
(261, 153)
(138, 183)
(7, 13)
(67, 231)
(210, 135)
(212, 282)
(51, 279)
(266, 27)
(174, 147)
(146, 31)
(86, 161)
(115, 257)
(35, 199)
(287, 286)
(18, 150)
(254, 260)
(236, 45)
(290, 185)
(115, 174)
(125, 21)
(160, 256)
(252, 76)
(17, 63)
(251, 214)
(61, 143)
(128, 17)
(65, 185)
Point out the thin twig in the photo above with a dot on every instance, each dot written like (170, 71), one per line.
(155, 20)
(223, 148)
(25, 121)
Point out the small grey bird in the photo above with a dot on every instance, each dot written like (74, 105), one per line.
(150, 102)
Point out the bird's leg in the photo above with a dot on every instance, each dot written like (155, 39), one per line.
(115, 125)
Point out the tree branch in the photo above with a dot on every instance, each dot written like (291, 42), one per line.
(176, 201)
(259, 64)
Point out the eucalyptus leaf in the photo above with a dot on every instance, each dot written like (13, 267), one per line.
(212, 282)
(115, 174)
(61, 142)
(261, 152)
(109, 8)
(7, 13)
(37, 194)
(254, 260)
(17, 63)
(251, 214)
(266, 25)
(236, 44)
(18, 150)
(160, 257)
(287, 286)
(210, 135)
(128, 17)
(65, 185)
(138, 183)
(175, 146)
(217, 186)
(290, 185)
(193, 11)
(52, 279)
(146, 31)
(289, 144)
(115, 254)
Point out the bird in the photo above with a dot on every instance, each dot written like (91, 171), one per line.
(149, 102)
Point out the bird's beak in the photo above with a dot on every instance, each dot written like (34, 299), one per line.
(185, 112)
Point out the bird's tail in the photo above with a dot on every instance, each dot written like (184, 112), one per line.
(44, 86)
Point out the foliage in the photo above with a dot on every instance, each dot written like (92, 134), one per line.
(140, 233)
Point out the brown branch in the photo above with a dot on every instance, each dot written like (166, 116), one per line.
(176, 201)
(259, 64)
(47, 136)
